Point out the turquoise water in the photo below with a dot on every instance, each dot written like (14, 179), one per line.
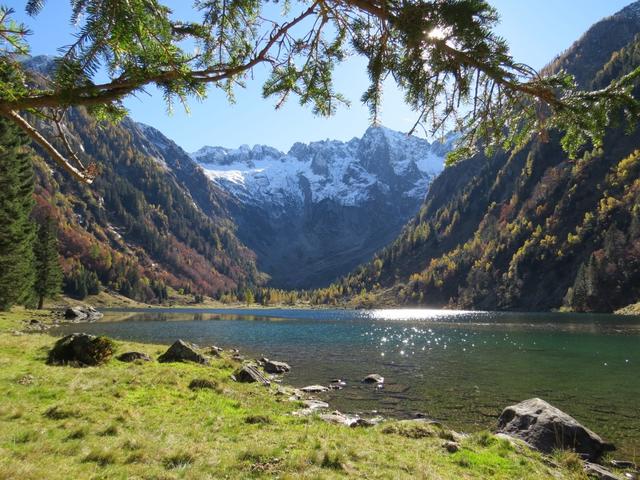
(458, 367)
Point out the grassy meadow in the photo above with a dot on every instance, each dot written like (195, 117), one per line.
(141, 421)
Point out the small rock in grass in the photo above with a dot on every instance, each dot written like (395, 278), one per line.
(451, 447)
(134, 357)
(250, 374)
(598, 471)
(26, 380)
(182, 351)
(213, 351)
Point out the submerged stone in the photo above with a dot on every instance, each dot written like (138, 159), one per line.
(373, 378)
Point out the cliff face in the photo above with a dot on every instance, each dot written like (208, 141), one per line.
(533, 230)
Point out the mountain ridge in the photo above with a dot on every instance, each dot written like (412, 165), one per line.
(532, 230)
(315, 212)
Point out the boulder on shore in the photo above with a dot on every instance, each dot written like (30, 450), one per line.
(81, 349)
(182, 351)
(84, 313)
(546, 428)
(134, 357)
(272, 366)
(250, 374)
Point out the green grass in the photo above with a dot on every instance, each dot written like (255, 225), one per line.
(143, 421)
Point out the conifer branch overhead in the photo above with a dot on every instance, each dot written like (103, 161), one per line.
(454, 71)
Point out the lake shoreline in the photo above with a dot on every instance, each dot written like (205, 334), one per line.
(518, 461)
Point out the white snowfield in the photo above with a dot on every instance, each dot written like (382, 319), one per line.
(346, 172)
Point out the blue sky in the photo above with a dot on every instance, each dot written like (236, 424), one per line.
(536, 30)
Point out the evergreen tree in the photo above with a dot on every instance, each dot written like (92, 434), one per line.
(17, 230)
(48, 272)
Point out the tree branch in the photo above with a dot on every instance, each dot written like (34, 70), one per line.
(32, 133)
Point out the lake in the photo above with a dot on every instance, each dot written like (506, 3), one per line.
(458, 367)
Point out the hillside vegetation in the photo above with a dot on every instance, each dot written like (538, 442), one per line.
(534, 230)
(151, 220)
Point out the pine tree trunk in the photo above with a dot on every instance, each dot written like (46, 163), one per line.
(40, 302)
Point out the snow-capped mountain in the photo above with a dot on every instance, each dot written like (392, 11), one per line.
(317, 211)
(349, 173)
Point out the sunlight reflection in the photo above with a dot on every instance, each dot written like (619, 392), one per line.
(419, 314)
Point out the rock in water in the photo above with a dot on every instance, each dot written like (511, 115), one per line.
(272, 366)
(82, 313)
(250, 374)
(81, 349)
(546, 428)
(373, 378)
(182, 351)
(134, 357)
(314, 389)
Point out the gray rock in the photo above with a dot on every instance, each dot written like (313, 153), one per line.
(451, 447)
(250, 374)
(134, 357)
(339, 418)
(81, 349)
(315, 404)
(623, 464)
(337, 384)
(213, 351)
(314, 389)
(547, 428)
(182, 351)
(82, 313)
(373, 378)
(594, 470)
(272, 366)
(365, 422)
(311, 406)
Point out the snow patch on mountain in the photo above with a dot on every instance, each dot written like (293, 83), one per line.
(349, 173)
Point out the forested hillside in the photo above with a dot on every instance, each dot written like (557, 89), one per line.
(534, 230)
(150, 220)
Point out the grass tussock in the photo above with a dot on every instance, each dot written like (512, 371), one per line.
(204, 384)
(58, 412)
(101, 457)
(258, 420)
(179, 460)
(569, 459)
